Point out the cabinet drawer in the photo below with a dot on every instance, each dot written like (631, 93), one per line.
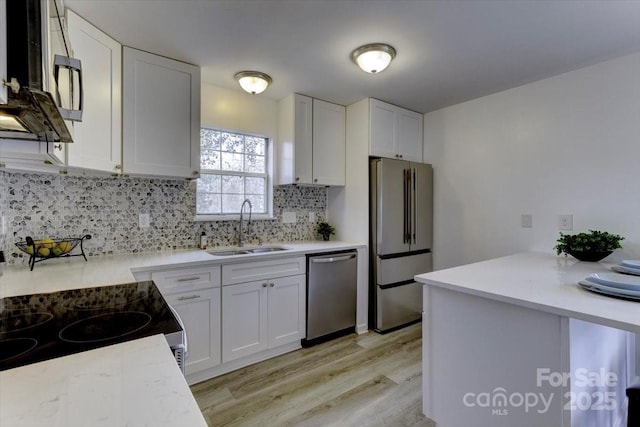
(260, 270)
(185, 279)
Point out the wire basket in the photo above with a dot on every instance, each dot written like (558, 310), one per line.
(40, 250)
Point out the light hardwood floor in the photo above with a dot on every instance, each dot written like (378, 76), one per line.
(357, 380)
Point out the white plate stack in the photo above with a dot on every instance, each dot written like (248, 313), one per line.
(628, 266)
(614, 284)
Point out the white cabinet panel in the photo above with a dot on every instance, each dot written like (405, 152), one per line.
(201, 315)
(183, 279)
(394, 132)
(286, 310)
(161, 115)
(328, 143)
(244, 319)
(303, 130)
(98, 138)
(382, 129)
(311, 142)
(410, 135)
(261, 270)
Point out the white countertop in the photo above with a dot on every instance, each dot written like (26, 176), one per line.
(542, 282)
(136, 383)
(73, 273)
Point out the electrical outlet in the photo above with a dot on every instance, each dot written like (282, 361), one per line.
(312, 217)
(526, 220)
(289, 217)
(3, 225)
(144, 220)
(565, 222)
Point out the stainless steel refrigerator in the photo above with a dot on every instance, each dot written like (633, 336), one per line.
(401, 235)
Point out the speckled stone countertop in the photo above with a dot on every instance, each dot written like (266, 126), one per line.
(136, 383)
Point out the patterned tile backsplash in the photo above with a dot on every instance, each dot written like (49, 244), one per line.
(107, 208)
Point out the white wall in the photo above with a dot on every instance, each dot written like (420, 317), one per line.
(564, 145)
(238, 111)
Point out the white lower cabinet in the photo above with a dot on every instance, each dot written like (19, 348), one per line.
(236, 314)
(262, 314)
(200, 313)
(195, 294)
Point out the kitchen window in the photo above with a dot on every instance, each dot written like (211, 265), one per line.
(233, 167)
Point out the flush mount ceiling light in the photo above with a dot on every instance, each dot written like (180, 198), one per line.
(374, 57)
(254, 82)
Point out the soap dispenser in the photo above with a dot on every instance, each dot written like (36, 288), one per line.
(203, 240)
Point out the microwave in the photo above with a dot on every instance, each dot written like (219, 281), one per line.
(44, 81)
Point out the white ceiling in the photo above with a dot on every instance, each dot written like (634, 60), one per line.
(448, 51)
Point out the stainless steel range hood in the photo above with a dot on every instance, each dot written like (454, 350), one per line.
(31, 112)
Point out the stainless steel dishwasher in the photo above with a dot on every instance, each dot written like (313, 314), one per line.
(331, 295)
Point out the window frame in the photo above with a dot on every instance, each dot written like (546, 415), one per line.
(268, 174)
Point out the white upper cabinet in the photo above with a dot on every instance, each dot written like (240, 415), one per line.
(161, 115)
(98, 138)
(311, 142)
(328, 143)
(395, 132)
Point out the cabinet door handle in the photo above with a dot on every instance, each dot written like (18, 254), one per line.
(188, 279)
(189, 297)
(271, 284)
(264, 285)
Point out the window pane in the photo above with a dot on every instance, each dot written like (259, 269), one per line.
(255, 145)
(222, 155)
(209, 139)
(232, 161)
(208, 203)
(232, 142)
(254, 185)
(257, 203)
(208, 184)
(232, 185)
(231, 203)
(255, 164)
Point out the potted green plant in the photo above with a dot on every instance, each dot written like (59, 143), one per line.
(592, 246)
(325, 230)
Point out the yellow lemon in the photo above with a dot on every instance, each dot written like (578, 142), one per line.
(56, 251)
(64, 246)
(44, 252)
(48, 243)
(29, 250)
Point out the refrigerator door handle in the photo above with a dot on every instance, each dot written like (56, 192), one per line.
(405, 195)
(413, 205)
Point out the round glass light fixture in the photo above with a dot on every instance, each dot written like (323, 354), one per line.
(253, 82)
(373, 57)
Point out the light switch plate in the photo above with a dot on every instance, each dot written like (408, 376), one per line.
(565, 222)
(526, 220)
(144, 220)
(289, 217)
(312, 217)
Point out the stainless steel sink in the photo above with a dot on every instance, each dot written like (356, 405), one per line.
(266, 249)
(228, 252)
(246, 251)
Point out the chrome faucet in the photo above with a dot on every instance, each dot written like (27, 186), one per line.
(240, 237)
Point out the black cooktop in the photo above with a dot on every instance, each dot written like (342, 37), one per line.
(38, 327)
